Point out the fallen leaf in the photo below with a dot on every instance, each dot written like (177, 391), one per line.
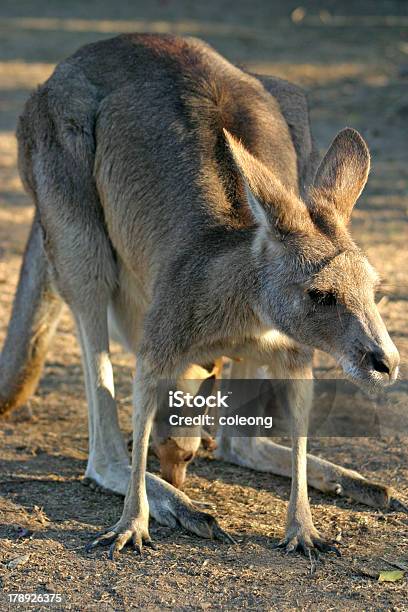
(390, 576)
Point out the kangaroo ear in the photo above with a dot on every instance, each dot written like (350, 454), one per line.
(343, 172)
(271, 203)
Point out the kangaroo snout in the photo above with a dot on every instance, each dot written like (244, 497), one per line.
(385, 363)
(174, 473)
(384, 357)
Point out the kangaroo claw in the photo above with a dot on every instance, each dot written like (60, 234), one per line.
(308, 545)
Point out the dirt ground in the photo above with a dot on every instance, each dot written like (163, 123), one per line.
(353, 59)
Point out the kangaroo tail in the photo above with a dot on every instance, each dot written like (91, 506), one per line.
(36, 311)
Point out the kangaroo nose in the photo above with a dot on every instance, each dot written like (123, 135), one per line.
(386, 364)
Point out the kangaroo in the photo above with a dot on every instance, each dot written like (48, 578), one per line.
(166, 183)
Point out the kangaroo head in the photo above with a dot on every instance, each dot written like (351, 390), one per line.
(316, 285)
(175, 454)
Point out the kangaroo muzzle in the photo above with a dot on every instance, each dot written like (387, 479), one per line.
(385, 363)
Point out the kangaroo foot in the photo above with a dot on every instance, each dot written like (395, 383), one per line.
(126, 531)
(113, 477)
(304, 538)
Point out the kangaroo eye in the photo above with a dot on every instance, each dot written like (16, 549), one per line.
(322, 298)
